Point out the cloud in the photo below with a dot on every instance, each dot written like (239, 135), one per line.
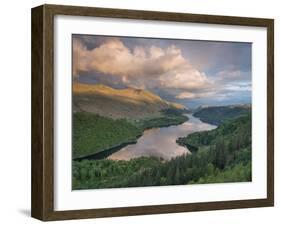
(223, 85)
(185, 77)
(233, 74)
(239, 87)
(190, 95)
(113, 57)
(141, 67)
(166, 67)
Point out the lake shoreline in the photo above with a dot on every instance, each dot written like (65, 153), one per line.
(107, 152)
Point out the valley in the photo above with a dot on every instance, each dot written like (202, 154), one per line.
(219, 157)
(129, 137)
(105, 118)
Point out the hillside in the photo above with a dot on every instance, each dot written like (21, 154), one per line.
(234, 129)
(106, 118)
(216, 115)
(229, 149)
(119, 103)
(222, 155)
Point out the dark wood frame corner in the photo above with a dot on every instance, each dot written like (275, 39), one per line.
(42, 203)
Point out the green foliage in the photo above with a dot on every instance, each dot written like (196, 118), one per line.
(235, 134)
(109, 173)
(218, 114)
(174, 111)
(93, 133)
(222, 155)
(237, 173)
(169, 117)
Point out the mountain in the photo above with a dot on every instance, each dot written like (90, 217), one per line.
(194, 110)
(119, 103)
(216, 115)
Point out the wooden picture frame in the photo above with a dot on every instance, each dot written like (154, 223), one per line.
(43, 112)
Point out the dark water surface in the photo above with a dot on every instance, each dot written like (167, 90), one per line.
(161, 142)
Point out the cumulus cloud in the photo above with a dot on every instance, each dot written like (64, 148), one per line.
(224, 84)
(162, 67)
(142, 67)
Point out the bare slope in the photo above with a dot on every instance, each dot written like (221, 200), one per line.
(118, 103)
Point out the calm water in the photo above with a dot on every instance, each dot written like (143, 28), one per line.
(161, 142)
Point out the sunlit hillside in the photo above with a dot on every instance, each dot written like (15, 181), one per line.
(118, 103)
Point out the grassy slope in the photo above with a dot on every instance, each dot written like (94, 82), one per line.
(218, 114)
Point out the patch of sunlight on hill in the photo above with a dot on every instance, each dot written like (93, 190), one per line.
(118, 103)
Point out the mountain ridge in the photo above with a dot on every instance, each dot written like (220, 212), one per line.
(119, 103)
(216, 115)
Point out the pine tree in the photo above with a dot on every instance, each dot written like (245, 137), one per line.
(177, 179)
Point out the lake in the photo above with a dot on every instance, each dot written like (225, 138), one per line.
(161, 142)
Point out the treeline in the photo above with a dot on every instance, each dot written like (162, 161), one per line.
(93, 133)
(221, 157)
(203, 167)
(108, 173)
(224, 155)
(236, 133)
(168, 117)
(216, 115)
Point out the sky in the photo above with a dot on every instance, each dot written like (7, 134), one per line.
(190, 72)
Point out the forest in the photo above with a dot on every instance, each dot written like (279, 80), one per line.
(216, 115)
(93, 133)
(219, 155)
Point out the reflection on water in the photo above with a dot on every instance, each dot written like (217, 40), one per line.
(161, 142)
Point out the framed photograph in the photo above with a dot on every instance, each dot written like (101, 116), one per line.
(141, 112)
